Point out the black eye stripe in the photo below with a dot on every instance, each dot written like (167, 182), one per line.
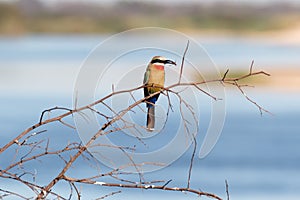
(157, 61)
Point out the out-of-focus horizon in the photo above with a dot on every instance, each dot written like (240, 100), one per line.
(265, 22)
(92, 17)
(44, 43)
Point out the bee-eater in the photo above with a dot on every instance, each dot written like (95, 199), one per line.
(154, 80)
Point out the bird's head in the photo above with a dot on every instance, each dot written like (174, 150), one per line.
(160, 60)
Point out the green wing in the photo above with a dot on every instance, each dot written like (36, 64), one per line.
(146, 76)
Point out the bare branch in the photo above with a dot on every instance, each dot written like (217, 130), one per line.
(145, 186)
(30, 146)
(155, 187)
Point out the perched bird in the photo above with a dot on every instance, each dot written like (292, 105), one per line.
(154, 80)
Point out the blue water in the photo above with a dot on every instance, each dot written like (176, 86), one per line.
(259, 156)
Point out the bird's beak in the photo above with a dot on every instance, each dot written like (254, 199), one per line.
(170, 62)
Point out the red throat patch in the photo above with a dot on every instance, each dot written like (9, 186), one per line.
(159, 67)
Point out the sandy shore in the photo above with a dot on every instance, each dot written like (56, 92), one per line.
(284, 80)
(289, 36)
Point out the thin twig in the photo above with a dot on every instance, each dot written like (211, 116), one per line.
(169, 181)
(110, 194)
(251, 67)
(225, 74)
(13, 194)
(191, 162)
(227, 190)
(182, 61)
(51, 109)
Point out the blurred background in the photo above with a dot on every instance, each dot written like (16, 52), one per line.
(43, 44)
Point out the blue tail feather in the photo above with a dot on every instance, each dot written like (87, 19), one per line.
(152, 101)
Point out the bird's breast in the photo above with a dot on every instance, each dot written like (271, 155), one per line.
(157, 77)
